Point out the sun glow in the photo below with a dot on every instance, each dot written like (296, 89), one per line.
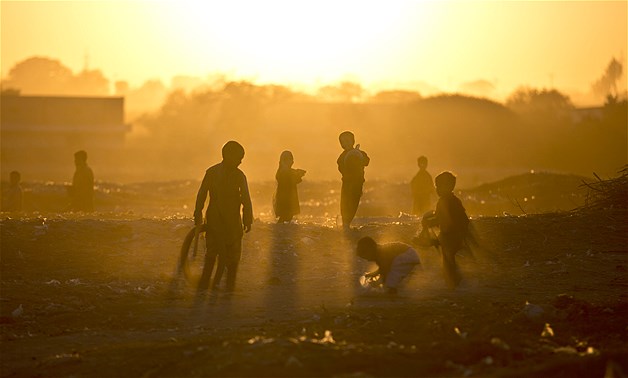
(285, 41)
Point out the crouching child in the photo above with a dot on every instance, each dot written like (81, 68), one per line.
(395, 261)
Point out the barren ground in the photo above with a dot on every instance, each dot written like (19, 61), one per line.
(97, 295)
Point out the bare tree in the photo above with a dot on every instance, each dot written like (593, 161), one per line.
(607, 84)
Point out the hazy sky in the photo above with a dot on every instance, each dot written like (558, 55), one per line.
(383, 44)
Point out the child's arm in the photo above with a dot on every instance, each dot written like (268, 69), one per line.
(372, 274)
(429, 219)
(200, 200)
(247, 206)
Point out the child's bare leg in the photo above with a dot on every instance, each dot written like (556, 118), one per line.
(232, 262)
(450, 269)
(210, 260)
(220, 269)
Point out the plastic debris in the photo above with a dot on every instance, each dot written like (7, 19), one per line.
(547, 331)
(532, 311)
(18, 311)
(327, 339)
(293, 362)
(499, 343)
(463, 335)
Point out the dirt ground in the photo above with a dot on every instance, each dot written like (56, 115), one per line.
(545, 296)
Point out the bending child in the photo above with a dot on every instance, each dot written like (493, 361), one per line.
(395, 261)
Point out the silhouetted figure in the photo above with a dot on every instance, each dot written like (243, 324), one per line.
(451, 217)
(286, 201)
(228, 193)
(13, 197)
(351, 163)
(422, 187)
(395, 261)
(82, 189)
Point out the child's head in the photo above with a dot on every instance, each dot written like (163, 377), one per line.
(422, 162)
(232, 154)
(286, 159)
(347, 140)
(367, 248)
(80, 157)
(445, 183)
(15, 177)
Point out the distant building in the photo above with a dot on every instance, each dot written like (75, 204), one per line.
(41, 133)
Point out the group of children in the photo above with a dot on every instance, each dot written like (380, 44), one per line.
(81, 192)
(228, 192)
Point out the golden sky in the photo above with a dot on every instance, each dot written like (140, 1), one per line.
(382, 44)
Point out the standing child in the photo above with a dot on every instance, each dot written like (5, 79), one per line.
(286, 201)
(82, 189)
(13, 198)
(451, 217)
(228, 193)
(351, 163)
(395, 261)
(422, 187)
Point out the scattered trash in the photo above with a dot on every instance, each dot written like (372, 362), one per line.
(18, 311)
(547, 331)
(293, 362)
(532, 311)
(307, 241)
(327, 339)
(499, 343)
(566, 349)
(462, 335)
(260, 340)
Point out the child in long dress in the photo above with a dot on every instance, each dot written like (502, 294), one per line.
(286, 201)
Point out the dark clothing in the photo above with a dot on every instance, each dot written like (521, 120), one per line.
(453, 221)
(422, 187)
(286, 201)
(228, 257)
(12, 200)
(451, 218)
(351, 165)
(82, 190)
(228, 194)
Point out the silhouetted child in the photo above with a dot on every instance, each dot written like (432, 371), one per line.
(422, 187)
(395, 261)
(286, 201)
(228, 193)
(13, 197)
(82, 189)
(451, 217)
(351, 163)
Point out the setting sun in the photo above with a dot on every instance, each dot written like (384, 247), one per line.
(286, 41)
